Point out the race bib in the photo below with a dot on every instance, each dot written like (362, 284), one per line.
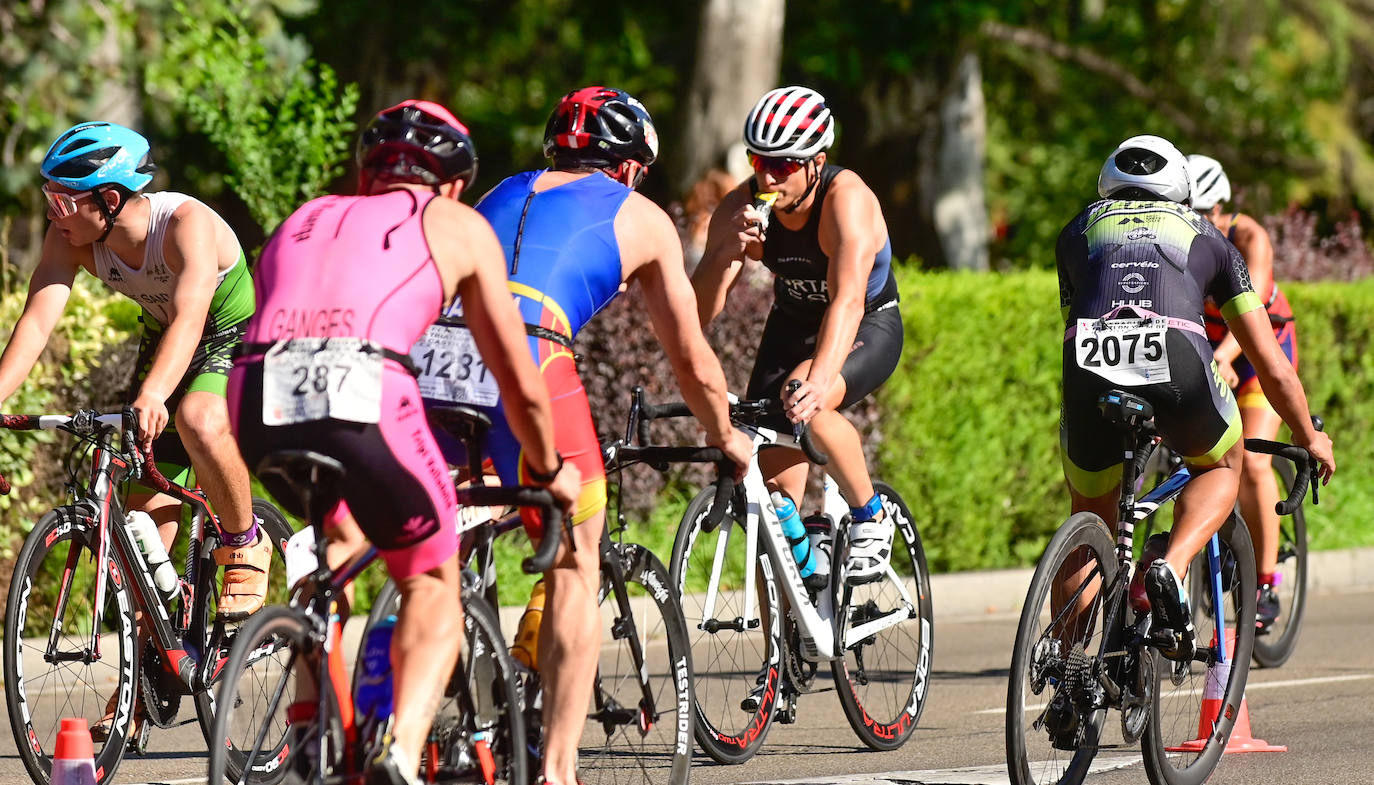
(309, 379)
(1124, 351)
(451, 370)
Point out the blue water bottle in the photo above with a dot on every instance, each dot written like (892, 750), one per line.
(374, 686)
(795, 531)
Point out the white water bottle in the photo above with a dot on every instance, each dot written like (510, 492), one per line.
(149, 543)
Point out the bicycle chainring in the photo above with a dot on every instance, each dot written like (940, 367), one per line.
(1135, 703)
(800, 673)
(161, 690)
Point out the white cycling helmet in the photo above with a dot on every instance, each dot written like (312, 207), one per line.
(1150, 163)
(1212, 185)
(789, 122)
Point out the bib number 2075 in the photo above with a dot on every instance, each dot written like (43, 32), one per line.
(1124, 351)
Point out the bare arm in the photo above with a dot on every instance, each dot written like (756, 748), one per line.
(49, 287)
(1253, 243)
(1281, 385)
(193, 255)
(732, 237)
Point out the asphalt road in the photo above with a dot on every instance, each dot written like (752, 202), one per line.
(1320, 704)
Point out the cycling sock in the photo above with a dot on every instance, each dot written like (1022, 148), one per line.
(1266, 579)
(869, 511)
(240, 539)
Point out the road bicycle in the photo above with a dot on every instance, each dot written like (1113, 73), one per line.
(1274, 644)
(71, 643)
(285, 652)
(760, 637)
(638, 724)
(1081, 649)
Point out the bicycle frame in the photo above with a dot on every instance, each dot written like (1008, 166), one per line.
(816, 620)
(114, 546)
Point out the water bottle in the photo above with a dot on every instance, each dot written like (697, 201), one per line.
(526, 648)
(149, 543)
(818, 530)
(374, 686)
(795, 532)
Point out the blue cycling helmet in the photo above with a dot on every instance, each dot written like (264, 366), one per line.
(89, 155)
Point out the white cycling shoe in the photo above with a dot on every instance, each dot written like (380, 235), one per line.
(870, 548)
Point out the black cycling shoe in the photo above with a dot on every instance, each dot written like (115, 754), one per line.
(1169, 603)
(388, 768)
(1266, 608)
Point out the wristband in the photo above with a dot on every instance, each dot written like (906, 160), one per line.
(543, 478)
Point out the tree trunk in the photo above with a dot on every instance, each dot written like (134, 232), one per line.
(739, 51)
(959, 210)
(116, 99)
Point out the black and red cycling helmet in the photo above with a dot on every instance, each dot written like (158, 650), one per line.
(418, 142)
(600, 127)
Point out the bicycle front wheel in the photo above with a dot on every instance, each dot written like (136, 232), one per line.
(273, 654)
(58, 663)
(639, 728)
(1274, 645)
(1053, 720)
(1196, 703)
(888, 628)
(736, 641)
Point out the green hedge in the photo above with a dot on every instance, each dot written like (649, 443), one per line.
(970, 419)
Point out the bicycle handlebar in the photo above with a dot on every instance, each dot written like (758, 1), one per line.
(659, 457)
(1302, 461)
(84, 422)
(746, 411)
(523, 496)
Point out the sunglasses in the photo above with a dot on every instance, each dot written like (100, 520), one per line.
(63, 204)
(779, 168)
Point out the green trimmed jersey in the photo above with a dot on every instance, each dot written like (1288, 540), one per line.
(1154, 255)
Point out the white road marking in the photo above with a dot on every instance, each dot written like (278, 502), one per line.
(1251, 687)
(971, 775)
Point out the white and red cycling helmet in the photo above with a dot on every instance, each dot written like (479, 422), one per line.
(789, 122)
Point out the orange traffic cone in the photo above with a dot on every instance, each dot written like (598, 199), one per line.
(73, 762)
(1241, 740)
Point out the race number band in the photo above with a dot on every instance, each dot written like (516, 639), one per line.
(451, 369)
(311, 379)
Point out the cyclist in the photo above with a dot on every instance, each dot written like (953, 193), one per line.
(181, 262)
(834, 325)
(1135, 266)
(1259, 491)
(572, 235)
(344, 287)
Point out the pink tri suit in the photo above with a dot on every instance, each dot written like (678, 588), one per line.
(346, 268)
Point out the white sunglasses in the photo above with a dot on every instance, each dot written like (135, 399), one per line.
(64, 204)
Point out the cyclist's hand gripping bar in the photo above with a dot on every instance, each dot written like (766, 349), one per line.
(1301, 459)
(746, 411)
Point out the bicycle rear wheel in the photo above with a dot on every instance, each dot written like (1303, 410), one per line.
(480, 720)
(1195, 707)
(50, 670)
(639, 728)
(736, 666)
(883, 677)
(1054, 721)
(1274, 645)
(274, 650)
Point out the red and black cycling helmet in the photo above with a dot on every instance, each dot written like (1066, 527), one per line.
(602, 128)
(417, 142)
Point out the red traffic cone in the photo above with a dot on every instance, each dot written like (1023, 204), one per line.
(73, 762)
(1241, 740)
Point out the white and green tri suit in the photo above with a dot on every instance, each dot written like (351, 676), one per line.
(151, 285)
(1132, 279)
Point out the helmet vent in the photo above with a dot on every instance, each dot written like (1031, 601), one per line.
(1139, 161)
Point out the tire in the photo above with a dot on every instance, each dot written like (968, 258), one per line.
(484, 696)
(257, 686)
(883, 679)
(1181, 704)
(623, 742)
(39, 694)
(278, 530)
(1274, 646)
(1043, 672)
(728, 663)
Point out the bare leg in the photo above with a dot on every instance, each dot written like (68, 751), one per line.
(424, 649)
(203, 425)
(1203, 507)
(569, 647)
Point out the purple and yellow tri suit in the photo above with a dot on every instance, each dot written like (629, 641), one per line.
(563, 261)
(355, 267)
(1248, 392)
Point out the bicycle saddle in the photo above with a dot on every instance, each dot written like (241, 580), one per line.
(1124, 410)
